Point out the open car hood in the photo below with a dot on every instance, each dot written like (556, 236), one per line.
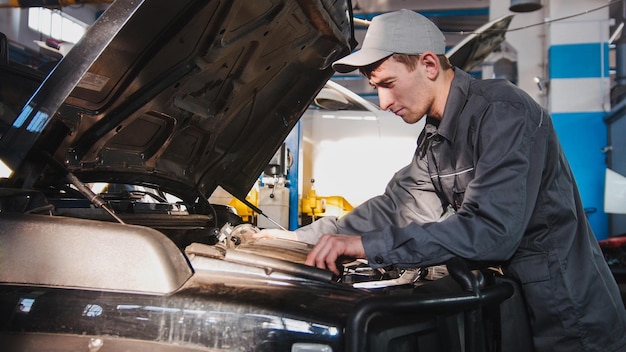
(474, 48)
(185, 95)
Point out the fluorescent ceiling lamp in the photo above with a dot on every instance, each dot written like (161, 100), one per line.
(5, 171)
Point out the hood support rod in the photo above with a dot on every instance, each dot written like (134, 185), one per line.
(84, 190)
(260, 212)
(91, 196)
(257, 210)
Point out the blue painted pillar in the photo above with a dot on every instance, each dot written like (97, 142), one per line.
(293, 144)
(580, 95)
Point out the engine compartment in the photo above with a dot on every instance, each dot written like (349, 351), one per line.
(146, 214)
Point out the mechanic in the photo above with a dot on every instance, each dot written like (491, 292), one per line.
(490, 154)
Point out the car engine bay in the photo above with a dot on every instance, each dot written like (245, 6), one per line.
(201, 240)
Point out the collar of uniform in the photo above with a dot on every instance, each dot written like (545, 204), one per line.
(431, 126)
(457, 97)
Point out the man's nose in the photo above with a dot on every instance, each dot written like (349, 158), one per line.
(384, 99)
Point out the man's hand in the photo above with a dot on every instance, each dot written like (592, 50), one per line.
(276, 233)
(331, 247)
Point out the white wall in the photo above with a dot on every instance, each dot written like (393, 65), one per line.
(355, 158)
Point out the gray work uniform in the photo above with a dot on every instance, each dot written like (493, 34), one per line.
(496, 158)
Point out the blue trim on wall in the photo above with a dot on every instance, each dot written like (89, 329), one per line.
(432, 14)
(482, 11)
(293, 144)
(587, 60)
(582, 136)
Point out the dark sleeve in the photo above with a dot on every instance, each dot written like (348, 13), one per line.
(498, 202)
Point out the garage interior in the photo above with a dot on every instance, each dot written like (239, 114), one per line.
(570, 56)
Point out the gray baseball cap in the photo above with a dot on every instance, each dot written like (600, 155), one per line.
(401, 32)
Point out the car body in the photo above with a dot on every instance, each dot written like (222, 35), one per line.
(107, 239)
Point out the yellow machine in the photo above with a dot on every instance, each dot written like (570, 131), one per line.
(247, 215)
(316, 206)
(312, 206)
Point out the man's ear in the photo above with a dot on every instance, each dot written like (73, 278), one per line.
(431, 63)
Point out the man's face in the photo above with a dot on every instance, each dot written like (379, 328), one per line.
(407, 94)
